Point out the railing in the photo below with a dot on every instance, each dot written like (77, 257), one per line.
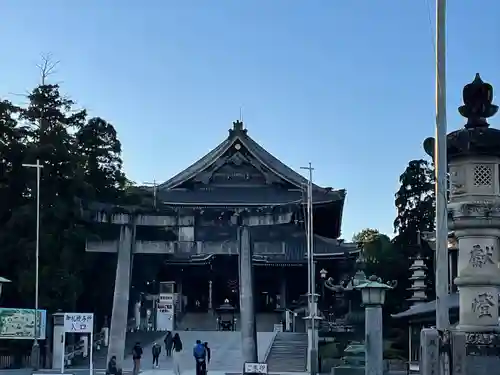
(7, 361)
(77, 351)
(73, 353)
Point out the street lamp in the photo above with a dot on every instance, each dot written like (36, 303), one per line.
(3, 280)
(35, 351)
(373, 297)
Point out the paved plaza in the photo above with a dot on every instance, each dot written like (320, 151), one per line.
(225, 349)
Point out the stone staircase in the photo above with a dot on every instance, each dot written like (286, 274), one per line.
(207, 321)
(197, 321)
(288, 353)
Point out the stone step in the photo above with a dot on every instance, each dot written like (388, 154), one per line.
(288, 353)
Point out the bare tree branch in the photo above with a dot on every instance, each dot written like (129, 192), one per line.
(47, 67)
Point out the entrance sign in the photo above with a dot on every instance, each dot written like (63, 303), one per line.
(79, 323)
(165, 312)
(255, 368)
(19, 324)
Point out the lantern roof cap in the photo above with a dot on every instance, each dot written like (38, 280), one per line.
(374, 282)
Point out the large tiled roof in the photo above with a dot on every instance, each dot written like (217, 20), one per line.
(238, 134)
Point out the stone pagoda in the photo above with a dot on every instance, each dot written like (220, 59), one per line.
(418, 280)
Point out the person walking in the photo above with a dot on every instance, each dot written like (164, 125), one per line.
(176, 354)
(168, 344)
(156, 350)
(136, 356)
(208, 351)
(200, 358)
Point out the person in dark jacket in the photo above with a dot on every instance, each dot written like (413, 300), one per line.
(176, 353)
(209, 354)
(156, 350)
(136, 356)
(112, 367)
(168, 343)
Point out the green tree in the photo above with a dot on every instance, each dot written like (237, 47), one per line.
(51, 120)
(383, 259)
(12, 190)
(416, 212)
(415, 200)
(81, 162)
(100, 150)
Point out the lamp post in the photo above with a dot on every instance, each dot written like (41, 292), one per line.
(323, 273)
(35, 351)
(373, 297)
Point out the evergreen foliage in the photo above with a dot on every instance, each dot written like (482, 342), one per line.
(81, 160)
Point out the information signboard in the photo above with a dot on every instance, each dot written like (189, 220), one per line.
(20, 324)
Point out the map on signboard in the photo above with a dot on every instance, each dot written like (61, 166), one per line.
(20, 323)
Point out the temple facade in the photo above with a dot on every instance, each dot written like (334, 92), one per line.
(188, 235)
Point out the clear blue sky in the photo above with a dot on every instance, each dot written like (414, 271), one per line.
(347, 85)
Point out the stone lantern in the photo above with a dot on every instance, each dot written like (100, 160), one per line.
(473, 154)
(373, 297)
(474, 208)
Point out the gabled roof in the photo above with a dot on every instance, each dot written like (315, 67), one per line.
(239, 134)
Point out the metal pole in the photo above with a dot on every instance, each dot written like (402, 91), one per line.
(441, 165)
(155, 188)
(35, 351)
(312, 351)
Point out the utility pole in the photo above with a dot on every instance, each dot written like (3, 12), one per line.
(35, 351)
(311, 290)
(155, 188)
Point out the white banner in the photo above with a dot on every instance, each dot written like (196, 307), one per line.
(78, 322)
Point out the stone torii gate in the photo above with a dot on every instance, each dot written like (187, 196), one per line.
(126, 245)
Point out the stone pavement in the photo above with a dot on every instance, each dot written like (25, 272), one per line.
(225, 349)
(146, 372)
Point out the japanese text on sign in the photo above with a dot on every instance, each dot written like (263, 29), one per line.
(255, 368)
(79, 322)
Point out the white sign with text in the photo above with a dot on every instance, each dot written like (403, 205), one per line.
(78, 322)
(255, 368)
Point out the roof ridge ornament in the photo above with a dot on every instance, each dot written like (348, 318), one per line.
(477, 98)
(238, 128)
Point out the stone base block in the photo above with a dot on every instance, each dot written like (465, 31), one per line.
(475, 353)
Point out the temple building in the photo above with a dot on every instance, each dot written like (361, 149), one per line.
(188, 235)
